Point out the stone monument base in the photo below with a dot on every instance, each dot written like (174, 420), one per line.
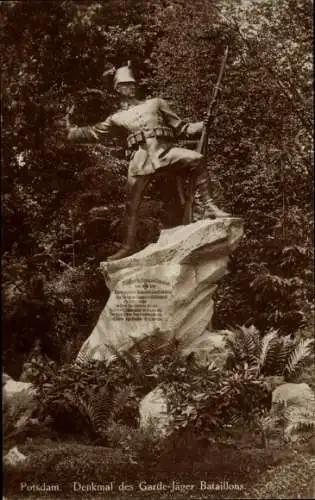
(165, 288)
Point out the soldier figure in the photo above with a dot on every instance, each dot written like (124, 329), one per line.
(151, 128)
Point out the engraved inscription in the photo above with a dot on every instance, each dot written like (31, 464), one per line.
(140, 299)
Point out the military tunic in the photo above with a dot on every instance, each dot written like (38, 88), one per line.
(150, 128)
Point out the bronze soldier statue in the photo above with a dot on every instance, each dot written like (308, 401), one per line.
(151, 128)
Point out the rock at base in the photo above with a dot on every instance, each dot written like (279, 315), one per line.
(209, 348)
(19, 401)
(14, 457)
(298, 394)
(165, 288)
(154, 412)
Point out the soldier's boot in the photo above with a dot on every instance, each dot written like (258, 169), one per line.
(210, 209)
(134, 197)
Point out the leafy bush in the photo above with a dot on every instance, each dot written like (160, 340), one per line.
(80, 400)
(87, 397)
(97, 395)
(213, 403)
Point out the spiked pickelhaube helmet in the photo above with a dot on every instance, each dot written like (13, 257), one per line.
(124, 75)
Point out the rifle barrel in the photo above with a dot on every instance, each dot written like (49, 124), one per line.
(202, 145)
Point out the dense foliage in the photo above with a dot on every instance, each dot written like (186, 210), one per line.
(213, 415)
(259, 155)
(90, 398)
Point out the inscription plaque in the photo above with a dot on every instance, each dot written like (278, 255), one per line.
(140, 299)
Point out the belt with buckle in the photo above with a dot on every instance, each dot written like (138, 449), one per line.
(141, 136)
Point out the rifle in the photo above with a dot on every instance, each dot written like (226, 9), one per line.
(203, 142)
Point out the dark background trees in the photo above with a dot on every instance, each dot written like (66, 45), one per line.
(259, 159)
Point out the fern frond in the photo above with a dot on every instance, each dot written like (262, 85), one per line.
(300, 419)
(244, 345)
(97, 409)
(128, 360)
(250, 337)
(284, 352)
(299, 428)
(85, 356)
(295, 413)
(297, 357)
(82, 359)
(268, 342)
(120, 400)
(235, 346)
(103, 408)
(274, 363)
(85, 408)
(146, 350)
(122, 356)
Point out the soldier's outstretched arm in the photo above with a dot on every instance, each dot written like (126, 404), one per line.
(181, 127)
(90, 133)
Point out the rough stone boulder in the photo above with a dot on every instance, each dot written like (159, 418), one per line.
(153, 411)
(209, 348)
(298, 394)
(14, 457)
(18, 399)
(166, 288)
